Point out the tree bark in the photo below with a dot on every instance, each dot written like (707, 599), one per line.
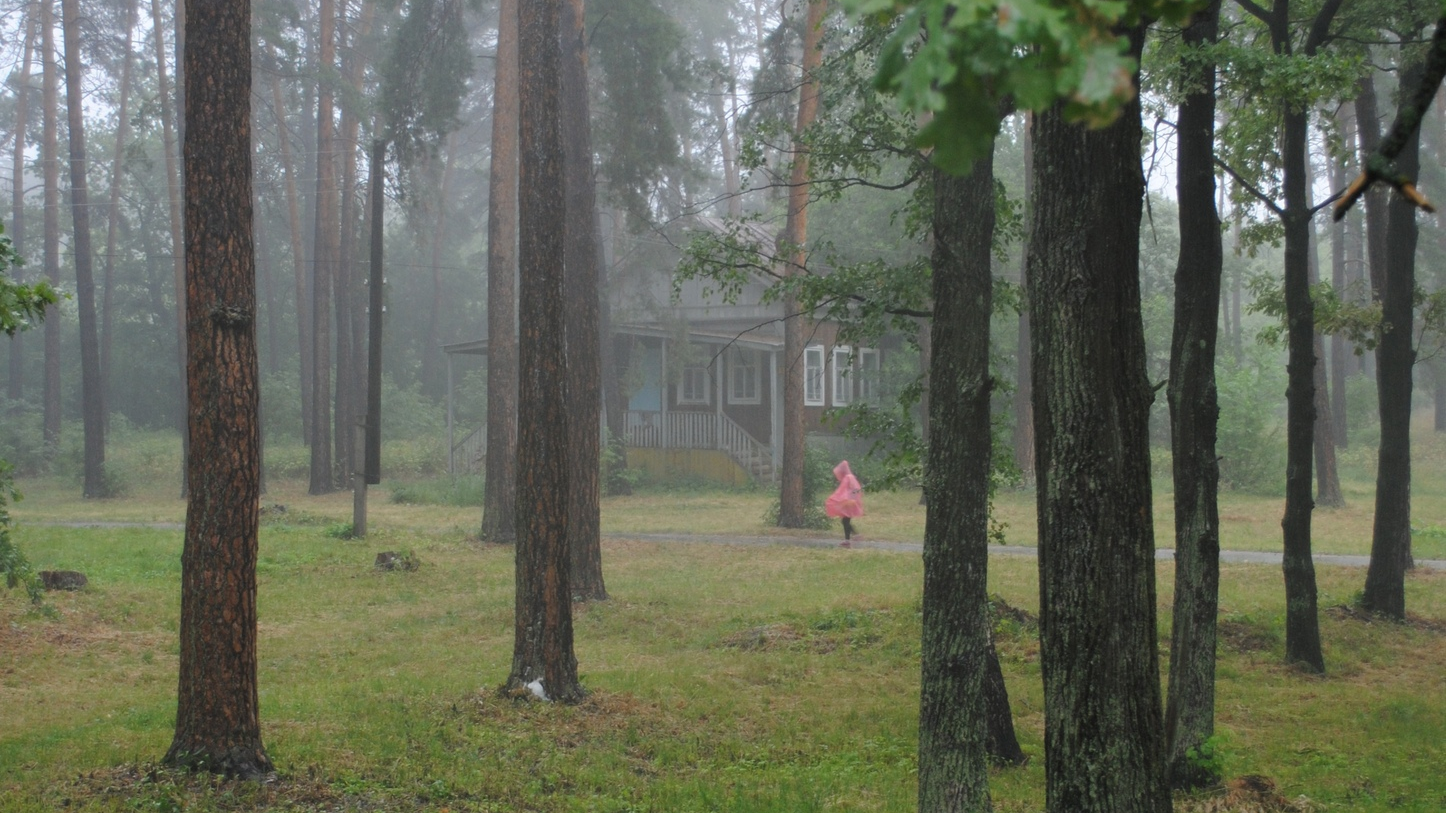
(543, 647)
(50, 170)
(1104, 738)
(1302, 621)
(325, 248)
(953, 769)
(791, 510)
(1385, 591)
(500, 495)
(584, 355)
(1194, 412)
(16, 379)
(217, 722)
(92, 399)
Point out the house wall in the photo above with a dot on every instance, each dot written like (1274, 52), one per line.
(708, 464)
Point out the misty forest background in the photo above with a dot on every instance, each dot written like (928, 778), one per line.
(692, 106)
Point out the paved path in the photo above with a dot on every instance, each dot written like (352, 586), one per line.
(1230, 556)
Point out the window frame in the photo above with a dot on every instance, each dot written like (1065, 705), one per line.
(867, 389)
(841, 382)
(706, 375)
(741, 360)
(812, 375)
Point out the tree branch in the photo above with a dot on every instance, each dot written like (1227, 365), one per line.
(1251, 188)
(1379, 165)
(1255, 11)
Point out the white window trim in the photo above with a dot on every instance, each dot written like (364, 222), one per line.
(868, 384)
(734, 366)
(842, 381)
(707, 376)
(816, 400)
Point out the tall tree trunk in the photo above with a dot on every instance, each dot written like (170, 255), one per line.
(430, 349)
(50, 169)
(113, 217)
(543, 647)
(324, 253)
(584, 354)
(1194, 412)
(1340, 348)
(298, 258)
(92, 399)
(1104, 738)
(16, 381)
(349, 325)
(1368, 138)
(1395, 357)
(791, 510)
(1302, 621)
(1023, 400)
(1327, 473)
(171, 147)
(217, 721)
(732, 183)
(500, 497)
(953, 769)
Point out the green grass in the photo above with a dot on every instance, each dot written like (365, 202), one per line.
(722, 678)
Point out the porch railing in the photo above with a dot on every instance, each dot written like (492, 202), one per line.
(701, 430)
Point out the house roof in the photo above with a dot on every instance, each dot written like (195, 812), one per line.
(750, 339)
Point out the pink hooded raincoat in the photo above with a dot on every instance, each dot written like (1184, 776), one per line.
(845, 500)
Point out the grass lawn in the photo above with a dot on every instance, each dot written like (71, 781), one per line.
(722, 677)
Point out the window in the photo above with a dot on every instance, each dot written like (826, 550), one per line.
(743, 375)
(843, 379)
(693, 388)
(869, 370)
(813, 375)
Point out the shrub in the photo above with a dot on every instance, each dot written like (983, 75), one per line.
(1251, 443)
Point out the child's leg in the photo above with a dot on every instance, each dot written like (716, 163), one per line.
(848, 528)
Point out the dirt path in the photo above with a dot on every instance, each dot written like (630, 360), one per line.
(1229, 556)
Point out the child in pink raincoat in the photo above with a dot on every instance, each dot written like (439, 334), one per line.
(844, 502)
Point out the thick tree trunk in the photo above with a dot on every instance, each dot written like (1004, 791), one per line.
(92, 398)
(217, 723)
(1302, 623)
(113, 217)
(1104, 738)
(953, 773)
(50, 170)
(1194, 411)
(584, 355)
(1395, 357)
(791, 510)
(15, 384)
(325, 248)
(542, 648)
(500, 497)
(298, 258)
